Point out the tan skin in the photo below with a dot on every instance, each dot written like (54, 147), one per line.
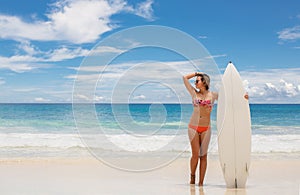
(200, 117)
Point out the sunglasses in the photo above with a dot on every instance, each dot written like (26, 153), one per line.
(197, 81)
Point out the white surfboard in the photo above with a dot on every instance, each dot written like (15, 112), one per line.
(234, 129)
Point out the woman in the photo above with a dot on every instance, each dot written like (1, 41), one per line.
(199, 130)
(199, 126)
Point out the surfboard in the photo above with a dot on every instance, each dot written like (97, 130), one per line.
(234, 129)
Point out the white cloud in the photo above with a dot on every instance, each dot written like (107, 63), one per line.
(82, 97)
(245, 83)
(288, 89)
(18, 63)
(13, 27)
(145, 10)
(273, 85)
(65, 53)
(35, 59)
(75, 21)
(139, 97)
(251, 90)
(154, 80)
(28, 48)
(292, 33)
(59, 54)
(284, 90)
(40, 99)
(105, 49)
(26, 90)
(86, 69)
(216, 56)
(81, 21)
(98, 98)
(270, 90)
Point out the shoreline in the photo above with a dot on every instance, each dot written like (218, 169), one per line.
(87, 175)
(87, 157)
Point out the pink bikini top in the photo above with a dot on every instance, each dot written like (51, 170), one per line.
(198, 102)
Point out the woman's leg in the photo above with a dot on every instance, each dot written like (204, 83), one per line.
(195, 146)
(204, 142)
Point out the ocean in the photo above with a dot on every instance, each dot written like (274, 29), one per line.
(60, 130)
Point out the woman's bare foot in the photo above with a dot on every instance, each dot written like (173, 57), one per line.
(193, 177)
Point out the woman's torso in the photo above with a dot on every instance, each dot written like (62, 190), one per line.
(202, 108)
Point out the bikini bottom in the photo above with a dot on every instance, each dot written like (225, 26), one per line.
(199, 129)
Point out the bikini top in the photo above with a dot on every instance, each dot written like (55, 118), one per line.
(199, 102)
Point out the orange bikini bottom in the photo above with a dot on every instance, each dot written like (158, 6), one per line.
(199, 129)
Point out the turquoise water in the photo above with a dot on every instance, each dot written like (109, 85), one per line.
(31, 129)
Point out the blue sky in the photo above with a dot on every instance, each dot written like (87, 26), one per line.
(43, 44)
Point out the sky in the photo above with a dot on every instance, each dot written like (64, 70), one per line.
(49, 49)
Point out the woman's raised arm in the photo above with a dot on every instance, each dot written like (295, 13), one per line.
(187, 84)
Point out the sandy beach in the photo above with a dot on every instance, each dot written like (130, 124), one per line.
(90, 176)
